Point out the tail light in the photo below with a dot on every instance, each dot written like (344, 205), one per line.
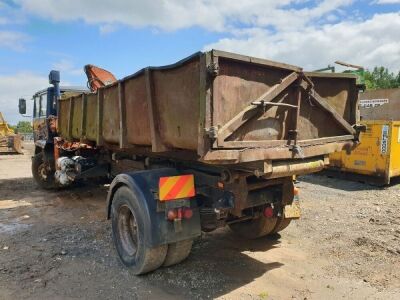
(179, 213)
(268, 212)
(187, 213)
(172, 214)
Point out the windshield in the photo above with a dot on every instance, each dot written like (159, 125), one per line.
(43, 105)
(40, 106)
(36, 109)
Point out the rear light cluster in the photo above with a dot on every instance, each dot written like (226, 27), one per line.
(268, 211)
(179, 213)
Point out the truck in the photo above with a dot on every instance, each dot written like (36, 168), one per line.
(213, 140)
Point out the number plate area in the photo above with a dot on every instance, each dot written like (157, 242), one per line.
(292, 211)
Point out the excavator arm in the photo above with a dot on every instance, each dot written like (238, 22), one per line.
(98, 77)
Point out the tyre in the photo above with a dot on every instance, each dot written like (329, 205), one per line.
(281, 224)
(42, 173)
(177, 252)
(128, 226)
(254, 228)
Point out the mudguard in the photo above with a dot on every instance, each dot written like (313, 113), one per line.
(158, 230)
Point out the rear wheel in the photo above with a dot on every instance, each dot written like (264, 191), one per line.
(177, 252)
(128, 234)
(254, 228)
(42, 172)
(281, 224)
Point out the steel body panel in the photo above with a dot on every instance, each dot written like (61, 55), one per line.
(91, 121)
(394, 165)
(175, 108)
(387, 111)
(377, 153)
(137, 112)
(76, 130)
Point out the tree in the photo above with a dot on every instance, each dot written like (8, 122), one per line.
(380, 78)
(24, 127)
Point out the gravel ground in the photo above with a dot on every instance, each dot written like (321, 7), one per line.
(57, 245)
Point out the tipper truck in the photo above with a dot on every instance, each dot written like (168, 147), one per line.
(212, 140)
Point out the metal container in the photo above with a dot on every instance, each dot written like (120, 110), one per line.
(381, 104)
(375, 159)
(220, 108)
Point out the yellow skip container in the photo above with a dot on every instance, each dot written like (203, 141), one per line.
(377, 155)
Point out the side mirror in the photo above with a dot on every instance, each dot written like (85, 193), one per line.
(22, 106)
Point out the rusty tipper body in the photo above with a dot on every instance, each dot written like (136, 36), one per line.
(212, 140)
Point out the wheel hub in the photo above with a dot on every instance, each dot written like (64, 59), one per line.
(42, 171)
(127, 228)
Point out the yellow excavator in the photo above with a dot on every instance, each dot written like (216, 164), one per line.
(9, 141)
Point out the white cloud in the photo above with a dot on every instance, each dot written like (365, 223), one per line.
(65, 65)
(10, 15)
(108, 28)
(177, 14)
(388, 2)
(308, 33)
(13, 40)
(19, 85)
(371, 42)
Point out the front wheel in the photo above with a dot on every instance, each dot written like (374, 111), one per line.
(42, 172)
(128, 234)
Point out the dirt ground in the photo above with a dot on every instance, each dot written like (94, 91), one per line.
(57, 245)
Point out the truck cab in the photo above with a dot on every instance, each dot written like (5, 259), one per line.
(44, 121)
(44, 113)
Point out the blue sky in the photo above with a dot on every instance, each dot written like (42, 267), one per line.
(124, 36)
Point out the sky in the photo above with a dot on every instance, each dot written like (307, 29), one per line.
(124, 36)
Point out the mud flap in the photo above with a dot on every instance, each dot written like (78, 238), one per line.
(158, 230)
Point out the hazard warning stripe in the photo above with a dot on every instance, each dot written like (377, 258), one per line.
(176, 187)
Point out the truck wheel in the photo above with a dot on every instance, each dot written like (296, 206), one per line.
(281, 224)
(254, 228)
(177, 252)
(41, 173)
(128, 226)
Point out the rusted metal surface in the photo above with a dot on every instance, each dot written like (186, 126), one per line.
(11, 144)
(137, 108)
(302, 167)
(9, 141)
(76, 117)
(91, 118)
(224, 107)
(386, 111)
(111, 116)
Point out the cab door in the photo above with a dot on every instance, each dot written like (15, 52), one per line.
(39, 117)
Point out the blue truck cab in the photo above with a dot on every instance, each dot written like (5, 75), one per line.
(44, 123)
(45, 110)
